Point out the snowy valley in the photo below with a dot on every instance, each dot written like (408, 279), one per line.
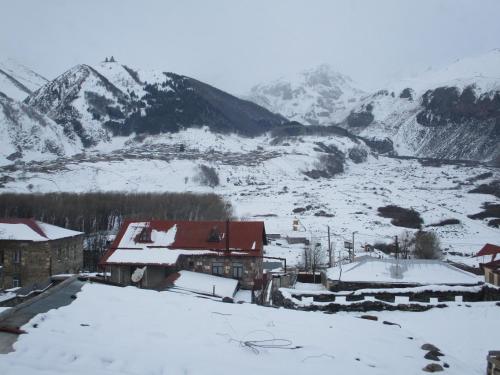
(314, 158)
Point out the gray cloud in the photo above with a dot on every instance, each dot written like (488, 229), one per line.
(235, 44)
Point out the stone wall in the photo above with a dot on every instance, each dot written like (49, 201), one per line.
(252, 267)
(39, 260)
(155, 275)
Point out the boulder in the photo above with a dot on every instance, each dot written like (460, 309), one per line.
(433, 367)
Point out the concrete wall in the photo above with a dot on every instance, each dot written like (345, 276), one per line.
(40, 260)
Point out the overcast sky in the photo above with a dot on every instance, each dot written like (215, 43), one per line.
(235, 44)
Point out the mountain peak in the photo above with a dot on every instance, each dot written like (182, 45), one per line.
(315, 96)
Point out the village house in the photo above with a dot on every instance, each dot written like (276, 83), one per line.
(32, 251)
(491, 269)
(148, 253)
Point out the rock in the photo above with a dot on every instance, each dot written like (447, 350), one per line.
(432, 356)
(391, 323)
(369, 317)
(227, 300)
(433, 367)
(429, 347)
(445, 365)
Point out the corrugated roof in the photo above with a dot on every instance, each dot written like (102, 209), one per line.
(489, 249)
(245, 237)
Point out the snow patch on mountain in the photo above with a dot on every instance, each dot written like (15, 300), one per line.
(18, 81)
(482, 71)
(28, 135)
(82, 100)
(316, 96)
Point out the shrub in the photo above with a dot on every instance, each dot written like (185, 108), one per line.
(427, 246)
(442, 223)
(358, 154)
(207, 176)
(401, 217)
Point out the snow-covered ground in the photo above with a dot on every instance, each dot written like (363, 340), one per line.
(265, 181)
(110, 330)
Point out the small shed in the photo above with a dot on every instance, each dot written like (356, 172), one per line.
(396, 273)
(491, 269)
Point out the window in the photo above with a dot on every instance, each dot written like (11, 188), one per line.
(237, 270)
(17, 256)
(217, 268)
(491, 278)
(16, 282)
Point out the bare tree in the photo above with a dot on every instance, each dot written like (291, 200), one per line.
(314, 257)
(427, 246)
(406, 243)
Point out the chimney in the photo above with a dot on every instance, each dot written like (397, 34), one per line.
(227, 235)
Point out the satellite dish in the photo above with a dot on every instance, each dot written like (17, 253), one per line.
(138, 274)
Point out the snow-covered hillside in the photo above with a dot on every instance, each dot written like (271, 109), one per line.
(482, 71)
(449, 113)
(17, 81)
(177, 333)
(28, 135)
(81, 100)
(268, 179)
(98, 102)
(318, 96)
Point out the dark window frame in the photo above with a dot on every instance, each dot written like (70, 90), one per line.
(218, 268)
(17, 256)
(237, 270)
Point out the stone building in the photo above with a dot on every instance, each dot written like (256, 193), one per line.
(157, 249)
(491, 269)
(31, 251)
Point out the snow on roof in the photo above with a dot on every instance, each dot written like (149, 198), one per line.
(411, 271)
(162, 241)
(32, 230)
(206, 284)
(148, 256)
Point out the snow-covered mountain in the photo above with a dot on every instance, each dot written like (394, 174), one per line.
(318, 96)
(452, 112)
(26, 135)
(97, 102)
(17, 81)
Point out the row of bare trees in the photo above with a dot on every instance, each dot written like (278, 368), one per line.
(103, 212)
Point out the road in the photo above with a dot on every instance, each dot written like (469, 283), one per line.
(58, 296)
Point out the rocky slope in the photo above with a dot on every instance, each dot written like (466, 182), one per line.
(94, 103)
(318, 96)
(25, 134)
(448, 113)
(17, 81)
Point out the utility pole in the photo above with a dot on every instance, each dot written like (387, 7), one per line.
(397, 248)
(352, 255)
(329, 248)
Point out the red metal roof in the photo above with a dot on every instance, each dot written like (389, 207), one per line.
(31, 223)
(245, 237)
(488, 249)
(493, 264)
